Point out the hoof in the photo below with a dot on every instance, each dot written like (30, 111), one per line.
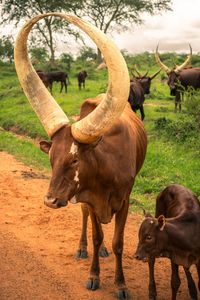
(92, 284)
(104, 252)
(152, 298)
(81, 254)
(124, 294)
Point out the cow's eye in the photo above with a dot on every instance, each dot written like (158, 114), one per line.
(148, 237)
(74, 161)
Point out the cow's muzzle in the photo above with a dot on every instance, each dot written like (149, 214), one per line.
(139, 257)
(54, 202)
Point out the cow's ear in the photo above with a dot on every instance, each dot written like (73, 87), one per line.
(45, 146)
(161, 222)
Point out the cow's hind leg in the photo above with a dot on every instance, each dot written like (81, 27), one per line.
(191, 284)
(152, 284)
(175, 280)
(117, 245)
(62, 84)
(97, 236)
(82, 251)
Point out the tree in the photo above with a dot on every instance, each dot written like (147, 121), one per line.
(7, 48)
(118, 15)
(87, 53)
(39, 54)
(15, 11)
(67, 59)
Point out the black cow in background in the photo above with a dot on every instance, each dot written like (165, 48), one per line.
(81, 78)
(136, 97)
(144, 79)
(49, 77)
(139, 86)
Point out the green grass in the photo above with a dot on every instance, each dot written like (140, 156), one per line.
(168, 160)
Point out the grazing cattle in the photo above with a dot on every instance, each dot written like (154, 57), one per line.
(136, 96)
(173, 233)
(81, 78)
(180, 78)
(49, 77)
(95, 160)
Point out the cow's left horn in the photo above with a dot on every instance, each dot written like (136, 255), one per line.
(186, 62)
(159, 62)
(108, 111)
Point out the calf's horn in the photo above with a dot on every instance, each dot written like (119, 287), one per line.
(49, 112)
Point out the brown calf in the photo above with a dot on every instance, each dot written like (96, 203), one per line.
(173, 233)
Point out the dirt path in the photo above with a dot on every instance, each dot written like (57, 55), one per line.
(38, 246)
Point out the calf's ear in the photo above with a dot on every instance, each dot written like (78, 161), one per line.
(146, 213)
(45, 146)
(161, 222)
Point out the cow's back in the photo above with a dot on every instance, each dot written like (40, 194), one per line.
(123, 146)
(174, 200)
(190, 77)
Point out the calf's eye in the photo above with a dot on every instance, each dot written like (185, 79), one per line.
(148, 237)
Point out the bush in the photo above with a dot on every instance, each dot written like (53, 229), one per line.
(184, 129)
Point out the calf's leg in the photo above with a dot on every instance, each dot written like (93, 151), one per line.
(198, 272)
(152, 284)
(117, 245)
(191, 284)
(175, 280)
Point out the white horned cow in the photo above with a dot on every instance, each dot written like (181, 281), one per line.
(95, 160)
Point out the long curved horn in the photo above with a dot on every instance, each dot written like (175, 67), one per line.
(164, 67)
(155, 74)
(107, 112)
(138, 72)
(181, 67)
(133, 74)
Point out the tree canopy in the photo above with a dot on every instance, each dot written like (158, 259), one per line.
(119, 15)
(107, 15)
(16, 11)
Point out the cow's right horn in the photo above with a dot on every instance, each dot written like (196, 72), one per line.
(51, 115)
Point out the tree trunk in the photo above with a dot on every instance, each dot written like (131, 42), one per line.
(99, 58)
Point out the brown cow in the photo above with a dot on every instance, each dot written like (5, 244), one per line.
(180, 78)
(173, 233)
(95, 160)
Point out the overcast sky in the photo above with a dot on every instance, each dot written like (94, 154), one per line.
(173, 30)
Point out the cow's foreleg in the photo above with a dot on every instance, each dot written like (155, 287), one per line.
(82, 251)
(152, 284)
(65, 83)
(142, 112)
(175, 280)
(97, 236)
(117, 245)
(191, 284)
(61, 86)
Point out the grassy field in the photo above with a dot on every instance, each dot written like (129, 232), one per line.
(172, 155)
